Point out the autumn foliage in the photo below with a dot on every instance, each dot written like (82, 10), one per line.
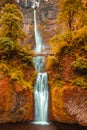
(17, 73)
(69, 69)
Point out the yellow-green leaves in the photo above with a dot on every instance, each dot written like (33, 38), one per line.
(11, 22)
(68, 10)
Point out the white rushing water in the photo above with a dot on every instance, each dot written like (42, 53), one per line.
(41, 98)
(38, 39)
(41, 85)
(39, 61)
(35, 3)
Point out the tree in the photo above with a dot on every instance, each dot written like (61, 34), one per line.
(11, 22)
(68, 11)
(73, 17)
(3, 2)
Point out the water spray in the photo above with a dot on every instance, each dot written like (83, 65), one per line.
(35, 3)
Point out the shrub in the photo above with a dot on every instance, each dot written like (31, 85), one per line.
(80, 36)
(10, 49)
(80, 64)
(7, 46)
(80, 82)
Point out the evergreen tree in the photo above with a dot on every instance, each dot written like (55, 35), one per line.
(73, 17)
(3, 2)
(11, 22)
(68, 11)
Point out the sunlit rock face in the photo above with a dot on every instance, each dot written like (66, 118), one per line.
(75, 104)
(69, 105)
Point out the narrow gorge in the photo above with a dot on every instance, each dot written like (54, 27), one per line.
(43, 61)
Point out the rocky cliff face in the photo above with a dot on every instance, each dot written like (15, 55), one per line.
(16, 100)
(75, 104)
(68, 105)
(46, 17)
(69, 88)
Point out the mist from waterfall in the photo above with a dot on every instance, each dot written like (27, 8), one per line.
(41, 86)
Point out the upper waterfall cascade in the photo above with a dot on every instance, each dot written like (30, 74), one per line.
(35, 3)
(39, 61)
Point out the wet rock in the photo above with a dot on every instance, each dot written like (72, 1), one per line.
(75, 104)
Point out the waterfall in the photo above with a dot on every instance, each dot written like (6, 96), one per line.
(41, 98)
(26, 3)
(39, 61)
(18, 1)
(38, 38)
(35, 3)
(41, 85)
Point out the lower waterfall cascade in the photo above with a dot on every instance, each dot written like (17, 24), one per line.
(41, 93)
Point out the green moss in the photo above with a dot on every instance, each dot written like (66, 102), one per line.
(4, 68)
(17, 74)
(55, 80)
(80, 82)
(15, 61)
(11, 50)
(80, 63)
(7, 46)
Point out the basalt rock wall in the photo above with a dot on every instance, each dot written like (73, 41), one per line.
(46, 19)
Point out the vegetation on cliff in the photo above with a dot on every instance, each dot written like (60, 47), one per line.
(13, 54)
(67, 69)
(17, 73)
(70, 44)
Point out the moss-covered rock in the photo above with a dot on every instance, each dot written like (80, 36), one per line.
(80, 64)
(16, 101)
(16, 92)
(17, 72)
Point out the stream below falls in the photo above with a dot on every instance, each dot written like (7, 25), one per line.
(30, 126)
